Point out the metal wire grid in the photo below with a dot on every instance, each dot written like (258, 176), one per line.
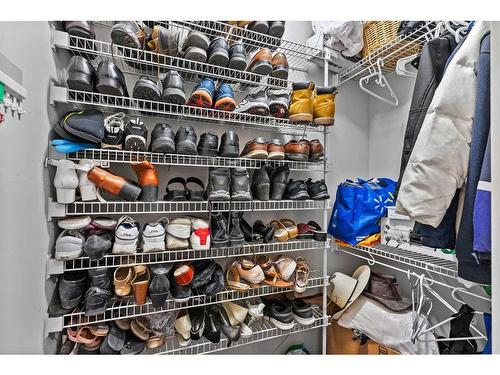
(122, 207)
(140, 107)
(433, 264)
(121, 308)
(262, 330)
(142, 62)
(170, 256)
(389, 53)
(121, 156)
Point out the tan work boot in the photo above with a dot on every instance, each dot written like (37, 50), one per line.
(301, 104)
(324, 105)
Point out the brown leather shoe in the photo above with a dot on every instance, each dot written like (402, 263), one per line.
(148, 179)
(140, 284)
(280, 66)
(275, 150)
(297, 150)
(114, 184)
(261, 62)
(255, 149)
(316, 151)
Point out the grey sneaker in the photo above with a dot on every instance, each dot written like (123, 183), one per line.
(256, 104)
(218, 184)
(240, 185)
(173, 88)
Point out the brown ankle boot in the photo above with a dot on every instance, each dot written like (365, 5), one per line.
(148, 179)
(114, 184)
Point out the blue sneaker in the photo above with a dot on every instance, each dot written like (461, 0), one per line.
(224, 98)
(203, 94)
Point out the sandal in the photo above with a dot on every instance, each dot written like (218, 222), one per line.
(250, 272)
(290, 227)
(140, 284)
(99, 329)
(176, 195)
(272, 274)
(280, 232)
(286, 266)
(155, 342)
(301, 275)
(81, 335)
(305, 231)
(318, 233)
(195, 195)
(233, 279)
(122, 280)
(140, 328)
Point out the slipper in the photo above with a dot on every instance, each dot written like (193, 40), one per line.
(99, 329)
(318, 233)
(290, 227)
(305, 231)
(301, 275)
(233, 280)
(280, 232)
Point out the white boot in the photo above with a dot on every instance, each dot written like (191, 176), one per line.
(65, 181)
(88, 190)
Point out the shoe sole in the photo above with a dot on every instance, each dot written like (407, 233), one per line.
(147, 91)
(297, 157)
(219, 243)
(305, 236)
(276, 31)
(128, 247)
(301, 118)
(281, 73)
(196, 54)
(276, 155)
(135, 143)
(320, 197)
(80, 82)
(260, 28)
(304, 321)
(263, 68)
(219, 58)
(109, 86)
(200, 98)
(174, 96)
(199, 40)
(236, 243)
(316, 157)
(181, 300)
(204, 151)
(256, 154)
(237, 63)
(219, 196)
(123, 38)
(230, 152)
(225, 104)
(68, 255)
(114, 147)
(281, 325)
(186, 147)
(325, 121)
(241, 197)
(299, 196)
(163, 145)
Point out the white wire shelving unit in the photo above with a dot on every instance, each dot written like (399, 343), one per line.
(262, 330)
(390, 53)
(167, 207)
(121, 308)
(56, 267)
(155, 109)
(107, 156)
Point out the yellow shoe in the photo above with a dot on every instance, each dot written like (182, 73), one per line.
(301, 103)
(324, 105)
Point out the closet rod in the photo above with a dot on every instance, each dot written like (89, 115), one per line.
(405, 271)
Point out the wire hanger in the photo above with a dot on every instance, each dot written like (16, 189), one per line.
(381, 81)
(401, 66)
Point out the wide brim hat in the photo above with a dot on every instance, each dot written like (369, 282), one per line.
(345, 289)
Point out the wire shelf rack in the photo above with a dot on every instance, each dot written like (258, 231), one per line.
(122, 207)
(126, 308)
(140, 107)
(171, 256)
(262, 330)
(390, 53)
(107, 156)
(143, 62)
(426, 262)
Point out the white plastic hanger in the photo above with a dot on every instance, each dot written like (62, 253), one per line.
(381, 81)
(403, 62)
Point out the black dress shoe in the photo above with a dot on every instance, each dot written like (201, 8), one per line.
(173, 88)
(218, 52)
(110, 79)
(208, 144)
(180, 293)
(162, 139)
(229, 145)
(203, 271)
(71, 287)
(222, 320)
(212, 330)
(185, 140)
(81, 74)
(219, 229)
(216, 283)
(161, 269)
(267, 233)
(276, 28)
(197, 317)
(248, 233)
(279, 178)
(236, 237)
(261, 184)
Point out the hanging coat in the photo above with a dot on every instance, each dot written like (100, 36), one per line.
(439, 161)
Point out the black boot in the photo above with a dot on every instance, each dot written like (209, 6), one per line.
(236, 237)
(250, 235)
(219, 229)
(261, 184)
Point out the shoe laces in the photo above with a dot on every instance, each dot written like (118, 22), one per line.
(115, 122)
(125, 220)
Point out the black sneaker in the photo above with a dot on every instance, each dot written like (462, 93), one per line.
(114, 126)
(317, 190)
(302, 312)
(256, 104)
(218, 184)
(229, 145)
(218, 52)
(238, 58)
(146, 89)
(136, 135)
(280, 314)
(173, 88)
(236, 236)
(162, 139)
(240, 185)
(185, 141)
(219, 230)
(296, 190)
(261, 184)
(208, 144)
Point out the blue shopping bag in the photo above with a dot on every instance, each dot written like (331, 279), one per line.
(358, 207)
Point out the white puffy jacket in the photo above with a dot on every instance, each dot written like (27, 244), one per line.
(439, 161)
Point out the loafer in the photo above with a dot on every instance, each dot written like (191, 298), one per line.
(208, 145)
(81, 74)
(110, 79)
(316, 151)
(275, 150)
(297, 150)
(255, 149)
(302, 312)
(197, 318)
(229, 145)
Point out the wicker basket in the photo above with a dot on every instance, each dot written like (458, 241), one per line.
(376, 34)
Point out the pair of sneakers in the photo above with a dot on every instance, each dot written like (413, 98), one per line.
(169, 89)
(119, 134)
(225, 184)
(207, 95)
(265, 103)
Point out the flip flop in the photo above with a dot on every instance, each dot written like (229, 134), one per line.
(280, 232)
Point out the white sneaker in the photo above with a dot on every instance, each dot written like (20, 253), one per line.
(179, 227)
(200, 239)
(126, 236)
(69, 245)
(197, 223)
(87, 188)
(153, 236)
(245, 328)
(76, 222)
(65, 181)
(255, 308)
(174, 243)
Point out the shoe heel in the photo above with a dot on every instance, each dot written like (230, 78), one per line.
(109, 86)
(130, 192)
(149, 193)
(278, 191)
(262, 192)
(65, 195)
(79, 81)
